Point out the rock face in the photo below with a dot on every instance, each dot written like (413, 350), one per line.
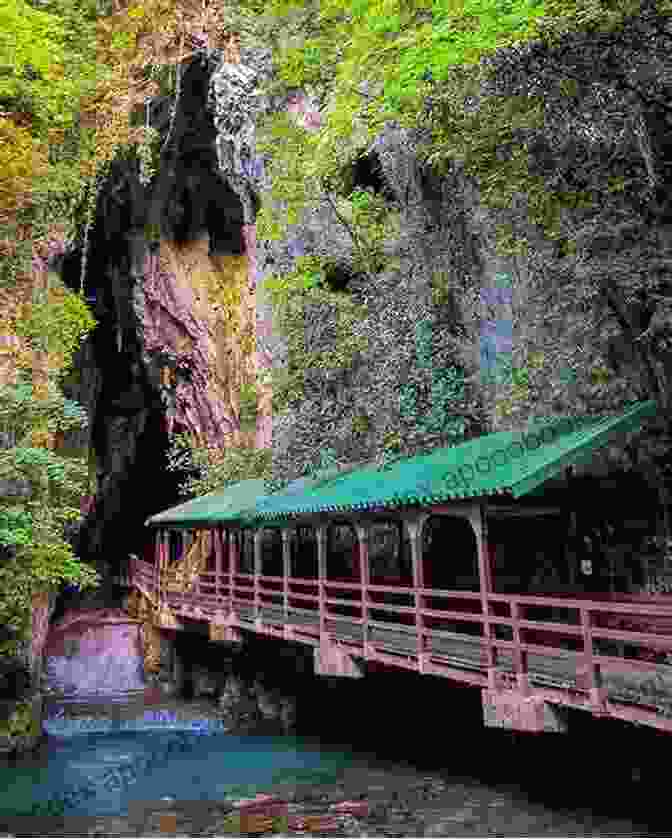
(96, 652)
(251, 685)
(20, 725)
(170, 272)
(206, 683)
(244, 703)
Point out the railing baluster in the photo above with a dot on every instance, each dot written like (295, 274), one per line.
(362, 531)
(233, 564)
(414, 528)
(321, 538)
(596, 688)
(150, 579)
(196, 588)
(286, 570)
(257, 573)
(217, 539)
(158, 562)
(519, 656)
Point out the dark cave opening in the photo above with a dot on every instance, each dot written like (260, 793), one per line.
(337, 277)
(128, 433)
(367, 173)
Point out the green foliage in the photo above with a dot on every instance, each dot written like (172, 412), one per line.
(48, 59)
(294, 184)
(326, 459)
(440, 288)
(148, 152)
(309, 273)
(423, 344)
(16, 527)
(22, 721)
(371, 223)
(361, 424)
(292, 296)
(447, 389)
(433, 406)
(214, 469)
(410, 56)
(444, 399)
(36, 556)
(48, 67)
(21, 412)
(248, 405)
(520, 376)
(57, 325)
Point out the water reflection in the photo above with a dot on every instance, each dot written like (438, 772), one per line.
(102, 774)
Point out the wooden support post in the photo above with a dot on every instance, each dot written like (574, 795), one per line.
(217, 545)
(519, 656)
(234, 536)
(166, 559)
(596, 689)
(363, 532)
(571, 556)
(257, 573)
(286, 569)
(198, 539)
(479, 524)
(414, 528)
(162, 540)
(321, 537)
(158, 549)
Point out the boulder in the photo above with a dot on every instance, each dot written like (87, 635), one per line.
(205, 683)
(20, 724)
(274, 706)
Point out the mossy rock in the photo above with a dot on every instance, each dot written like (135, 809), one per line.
(20, 725)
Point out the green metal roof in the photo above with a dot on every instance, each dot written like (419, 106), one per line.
(218, 506)
(230, 503)
(504, 463)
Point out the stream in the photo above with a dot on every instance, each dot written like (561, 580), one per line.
(174, 771)
(393, 754)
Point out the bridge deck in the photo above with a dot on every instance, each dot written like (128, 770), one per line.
(463, 653)
(607, 657)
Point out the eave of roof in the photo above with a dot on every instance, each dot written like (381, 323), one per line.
(416, 481)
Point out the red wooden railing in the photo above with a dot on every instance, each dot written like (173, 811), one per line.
(630, 620)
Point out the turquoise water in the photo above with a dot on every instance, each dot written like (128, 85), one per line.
(100, 774)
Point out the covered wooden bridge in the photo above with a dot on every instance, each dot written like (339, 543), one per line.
(399, 566)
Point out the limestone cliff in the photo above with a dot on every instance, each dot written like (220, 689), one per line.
(169, 270)
(172, 268)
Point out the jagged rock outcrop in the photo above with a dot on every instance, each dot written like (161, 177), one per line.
(170, 272)
(607, 130)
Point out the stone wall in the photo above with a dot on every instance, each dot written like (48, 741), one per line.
(94, 652)
(166, 679)
(44, 605)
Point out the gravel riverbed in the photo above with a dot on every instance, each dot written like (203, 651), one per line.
(370, 797)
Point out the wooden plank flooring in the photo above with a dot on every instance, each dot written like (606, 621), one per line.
(465, 653)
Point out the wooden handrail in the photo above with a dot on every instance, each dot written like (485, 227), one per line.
(584, 624)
